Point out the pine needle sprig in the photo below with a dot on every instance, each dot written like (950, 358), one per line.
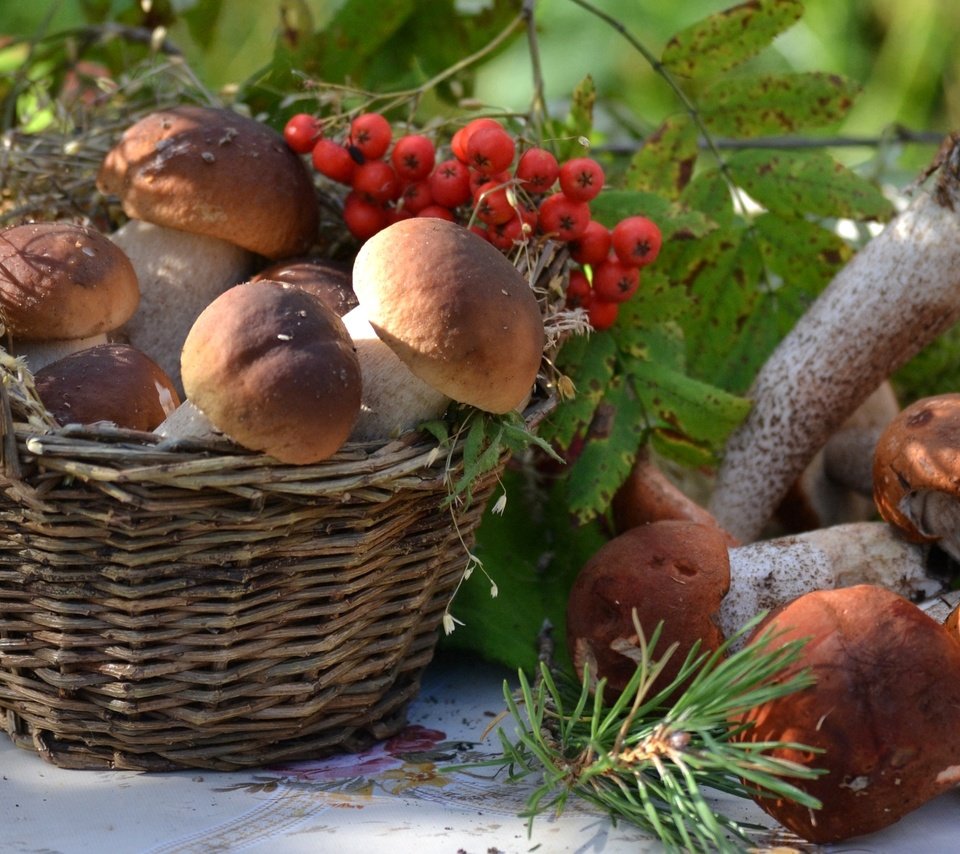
(651, 758)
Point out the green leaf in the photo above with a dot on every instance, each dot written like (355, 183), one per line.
(590, 362)
(709, 193)
(673, 219)
(666, 160)
(773, 104)
(794, 183)
(802, 253)
(617, 430)
(570, 134)
(729, 38)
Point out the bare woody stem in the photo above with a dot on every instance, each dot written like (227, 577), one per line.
(896, 295)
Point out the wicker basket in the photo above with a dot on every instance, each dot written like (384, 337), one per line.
(164, 608)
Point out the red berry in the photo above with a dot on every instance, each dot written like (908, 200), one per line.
(579, 291)
(537, 170)
(376, 180)
(458, 144)
(636, 240)
(413, 157)
(581, 178)
(416, 196)
(333, 160)
(370, 135)
(396, 214)
(593, 245)
(506, 234)
(438, 211)
(615, 281)
(490, 150)
(302, 132)
(362, 217)
(563, 217)
(602, 313)
(493, 206)
(450, 184)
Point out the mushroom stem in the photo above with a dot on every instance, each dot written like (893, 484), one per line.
(769, 573)
(180, 274)
(896, 295)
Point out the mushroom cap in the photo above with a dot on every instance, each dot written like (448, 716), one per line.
(882, 709)
(110, 382)
(272, 367)
(676, 571)
(329, 280)
(916, 469)
(61, 280)
(214, 172)
(454, 309)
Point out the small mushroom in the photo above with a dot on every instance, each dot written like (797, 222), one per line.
(897, 294)
(672, 571)
(274, 369)
(882, 709)
(454, 310)
(113, 383)
(63, 287)
(217, 189)
(916, 472)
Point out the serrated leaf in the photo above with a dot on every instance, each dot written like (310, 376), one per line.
(709, 193)
(773, 104)
(665, 162)
(617, 430)
(657, 297)
(800, 252)
(794, 183)
(590, 362)
(673, 219)
(728, 38)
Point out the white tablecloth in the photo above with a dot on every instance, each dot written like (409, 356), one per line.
(395, 797)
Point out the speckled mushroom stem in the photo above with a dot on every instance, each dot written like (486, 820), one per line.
(896, 295)
(769, 573)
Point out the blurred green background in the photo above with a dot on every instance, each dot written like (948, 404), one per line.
(905, 55)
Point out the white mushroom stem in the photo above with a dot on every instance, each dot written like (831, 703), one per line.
(180, 274)
(769, 573)
(394, 399)
(896, 295)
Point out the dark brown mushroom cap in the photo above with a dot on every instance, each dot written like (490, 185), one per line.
(916, 469)
(109, 382)
(214, 172)
(272, 367)
(326, 279)
(672, 571)
(883, 708)
(61, 280)
(454, 309)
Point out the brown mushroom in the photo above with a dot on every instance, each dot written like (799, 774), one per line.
(672, 571)
(206, 190)
(331, 281)
(916, 472)
(455, 311)
(882, 708)
(115, 383)
(63, 287)
(274, 369)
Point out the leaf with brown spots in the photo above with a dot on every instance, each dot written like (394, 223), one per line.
(794, 183)
(728, 38)
(771, 104)
(665, 162)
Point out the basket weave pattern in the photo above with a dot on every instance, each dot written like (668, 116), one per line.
(169, 607)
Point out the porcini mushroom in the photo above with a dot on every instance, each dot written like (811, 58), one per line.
(331, 281)
(63, 287)
(916, 472)
(227, 180)
(673, 571)
(896, 294)
(881, 708)
(457, 314)
(115, 383)
(274, 369)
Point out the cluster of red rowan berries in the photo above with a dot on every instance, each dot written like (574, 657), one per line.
(484, 184)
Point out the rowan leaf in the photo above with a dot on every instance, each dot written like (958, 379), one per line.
(771, 104)
(665, 162)
(794, 183)
(728, 38)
